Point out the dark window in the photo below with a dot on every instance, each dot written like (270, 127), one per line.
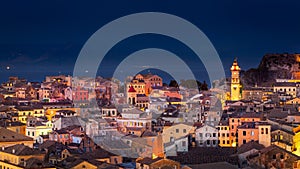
(244, 133)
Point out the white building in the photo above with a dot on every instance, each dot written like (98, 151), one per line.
(207, 136)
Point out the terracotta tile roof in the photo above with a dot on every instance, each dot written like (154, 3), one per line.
(200, 155)
(71, 162)
(148, 133)
(99, 153)
(36, 163)
(249, 146)
(10, 136)
(216, 165)
(13, 123)
(148, 160)
(274, 147)
(20, 150)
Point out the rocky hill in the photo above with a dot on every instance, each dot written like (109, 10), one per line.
(271, 67)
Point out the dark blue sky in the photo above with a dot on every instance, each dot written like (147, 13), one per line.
(46, 36)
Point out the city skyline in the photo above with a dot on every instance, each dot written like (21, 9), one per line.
(149, 84)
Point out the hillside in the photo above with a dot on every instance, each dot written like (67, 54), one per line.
(271, 67)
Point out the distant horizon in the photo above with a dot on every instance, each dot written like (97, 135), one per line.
(39, 76)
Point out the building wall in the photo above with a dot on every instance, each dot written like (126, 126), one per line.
(207, 136)
(252, 94)
(233, 124)
(224, 136)
(175, 132)
(11, 143)
(34, 132)
(287, 89)
(246, 135)
(9, 159)
(156, 142)
(264, 136)
(84, 164)
(182, 144)
(34, 113)
(18, 129)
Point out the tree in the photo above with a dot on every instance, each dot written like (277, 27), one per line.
(173, 83)
(204, 86)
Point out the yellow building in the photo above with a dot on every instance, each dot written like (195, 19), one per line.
(235, 92)
(15, 157)
(51, 112)
(90, 164)
(138, 85)
(286, 87)
(224, 135)
(85, 164)
(26, 111)
(17, 127)
(295, 101)
(287, 139)
(39, 128)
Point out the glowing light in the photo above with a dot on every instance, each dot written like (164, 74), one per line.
(7, 68)
(154, 156)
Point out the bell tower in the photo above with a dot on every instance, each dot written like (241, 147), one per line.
(235, 93)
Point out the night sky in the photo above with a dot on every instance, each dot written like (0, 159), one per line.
(38, 38)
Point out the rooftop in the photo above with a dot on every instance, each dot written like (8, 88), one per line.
(10, 136)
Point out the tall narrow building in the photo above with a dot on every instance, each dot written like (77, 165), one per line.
(235, 93)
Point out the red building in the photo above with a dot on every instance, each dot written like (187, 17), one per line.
(80, 94)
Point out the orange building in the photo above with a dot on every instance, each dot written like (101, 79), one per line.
(150, 81)
(254, 131)
(237, 120)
